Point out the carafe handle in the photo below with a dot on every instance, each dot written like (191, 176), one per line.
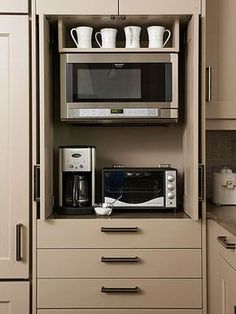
(168, 37)
(73, 37)
(96, 38)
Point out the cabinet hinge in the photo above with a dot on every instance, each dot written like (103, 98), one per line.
(201, 182)
(37, 183)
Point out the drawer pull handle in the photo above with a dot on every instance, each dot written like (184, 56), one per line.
(120, 290)
(119, 229)
(131, 259)
(223, 241)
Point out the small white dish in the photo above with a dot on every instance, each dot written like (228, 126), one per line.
(102, 209)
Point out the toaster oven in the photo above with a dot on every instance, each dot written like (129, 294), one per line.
(154, 188)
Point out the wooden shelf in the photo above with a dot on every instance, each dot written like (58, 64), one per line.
(127, 50)
(66, 45)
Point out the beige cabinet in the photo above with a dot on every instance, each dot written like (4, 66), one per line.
(221, 51)
(13, 6)
(151, 7)
(14, 297)
(227, 281)
(14, 142)
(221, 271)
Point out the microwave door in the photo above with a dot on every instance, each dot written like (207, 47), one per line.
(119, 86)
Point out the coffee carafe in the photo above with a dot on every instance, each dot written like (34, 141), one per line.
(76, 179)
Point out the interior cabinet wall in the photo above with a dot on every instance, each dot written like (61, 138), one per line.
(14, 139)
(221, 51)
(13, 6)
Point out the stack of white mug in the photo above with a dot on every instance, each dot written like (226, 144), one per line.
(108, 37)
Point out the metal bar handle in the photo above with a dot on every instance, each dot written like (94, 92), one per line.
(209, 83)
(119, 229)
(19, 228)
(37, 183)
(120, 290)
(130, 259)
(223, 241)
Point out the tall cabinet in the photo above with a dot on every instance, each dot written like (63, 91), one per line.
(14, 158)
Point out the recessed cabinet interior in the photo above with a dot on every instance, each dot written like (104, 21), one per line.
(176, 145)
(220, 53)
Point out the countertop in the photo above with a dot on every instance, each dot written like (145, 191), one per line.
(223, 215)
(127, 215)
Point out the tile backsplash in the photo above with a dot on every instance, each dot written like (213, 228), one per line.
(220, 152)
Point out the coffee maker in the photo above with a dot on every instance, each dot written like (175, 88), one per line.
(76, 179)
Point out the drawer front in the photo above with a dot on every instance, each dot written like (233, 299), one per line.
(124, 311)
(119, 263)
(119, 233)
(229, 254)
(131, 293)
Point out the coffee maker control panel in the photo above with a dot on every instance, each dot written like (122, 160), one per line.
(76, 159)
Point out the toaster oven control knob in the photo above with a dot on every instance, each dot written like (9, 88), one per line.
(71, 166)
(171, 195)
(170, 186)
(170, 178)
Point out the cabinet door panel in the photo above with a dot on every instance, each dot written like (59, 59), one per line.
(77, 7)
(14, 298)
(14, 142)
(159, 7)
(221, 51)
(14, 6)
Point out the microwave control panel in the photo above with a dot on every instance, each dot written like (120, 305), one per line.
(113, 113)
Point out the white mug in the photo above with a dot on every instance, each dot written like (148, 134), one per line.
(108, 37)
(156, 36)
(84, 36)
(132, 34)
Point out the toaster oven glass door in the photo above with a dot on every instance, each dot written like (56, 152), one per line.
(136, 188)
(130, 82)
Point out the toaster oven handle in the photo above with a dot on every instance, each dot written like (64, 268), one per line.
(128, 259)
(120, 290)
(223, 241)
(119, 229)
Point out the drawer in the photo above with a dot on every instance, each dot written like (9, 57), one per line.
(119, 293)
(119, 233)
(119, 263)
(224, 246)
(124, 311)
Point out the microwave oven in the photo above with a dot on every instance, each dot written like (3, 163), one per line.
(140, 188)
(119, 88)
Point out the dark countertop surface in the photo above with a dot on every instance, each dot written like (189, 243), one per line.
(128, 215)
(223, 215)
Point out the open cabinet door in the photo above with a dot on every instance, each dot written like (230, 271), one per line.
(190, 140)
(45, 124)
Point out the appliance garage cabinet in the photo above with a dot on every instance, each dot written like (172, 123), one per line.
(15, 163)
(130, 262)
